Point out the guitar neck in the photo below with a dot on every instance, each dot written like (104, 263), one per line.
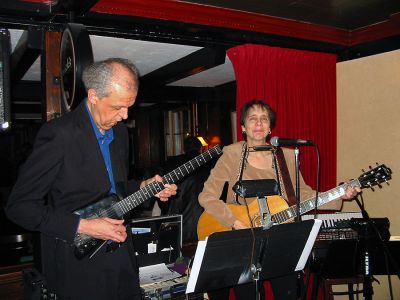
(309, 204)
(145, 193)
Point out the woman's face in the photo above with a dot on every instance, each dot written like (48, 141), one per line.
(257, 125)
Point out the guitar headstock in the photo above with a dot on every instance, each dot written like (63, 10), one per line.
(375, 176)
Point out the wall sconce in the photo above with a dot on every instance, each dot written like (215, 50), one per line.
(202, 141)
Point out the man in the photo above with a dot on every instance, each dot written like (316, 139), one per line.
(191, 148)
(78, 159)
(185, 202)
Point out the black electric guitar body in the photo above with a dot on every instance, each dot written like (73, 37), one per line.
(111, 207)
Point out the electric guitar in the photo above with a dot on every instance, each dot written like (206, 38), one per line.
(112, 208)
(279, 209)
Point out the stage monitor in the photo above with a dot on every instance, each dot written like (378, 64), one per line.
(5, 46)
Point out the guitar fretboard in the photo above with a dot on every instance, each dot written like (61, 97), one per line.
(309, 204)
(145, 193)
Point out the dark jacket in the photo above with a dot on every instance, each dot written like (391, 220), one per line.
(66, 171)
(185, 202)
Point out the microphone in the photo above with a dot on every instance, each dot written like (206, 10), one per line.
(278, 142)
(263, 148)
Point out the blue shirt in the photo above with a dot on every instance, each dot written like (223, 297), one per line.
(104, 141)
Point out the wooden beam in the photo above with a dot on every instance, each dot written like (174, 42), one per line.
(191, 64)
(52, 75)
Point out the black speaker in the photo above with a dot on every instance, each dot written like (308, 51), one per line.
(75, 54)
(5, 97)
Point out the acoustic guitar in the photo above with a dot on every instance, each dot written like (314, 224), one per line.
(279, 209)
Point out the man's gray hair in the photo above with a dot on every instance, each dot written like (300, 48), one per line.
(99, 75)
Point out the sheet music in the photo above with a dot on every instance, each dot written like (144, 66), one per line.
(156, 273)
(198, 258)
(308, 247)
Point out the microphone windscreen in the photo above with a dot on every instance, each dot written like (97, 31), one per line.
(274, 141)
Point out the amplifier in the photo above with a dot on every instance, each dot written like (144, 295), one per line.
(157, 239)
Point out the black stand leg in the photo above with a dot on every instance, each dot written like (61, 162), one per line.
(367, 282)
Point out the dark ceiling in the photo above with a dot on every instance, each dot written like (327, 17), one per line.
(335, 22)
(348, 28)
(343, 14)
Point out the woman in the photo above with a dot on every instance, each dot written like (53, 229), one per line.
(238, 161)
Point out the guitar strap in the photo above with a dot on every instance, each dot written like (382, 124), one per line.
(284, 174)
(245, 153)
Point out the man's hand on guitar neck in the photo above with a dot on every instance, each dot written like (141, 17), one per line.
(104, 229)
(168, 191)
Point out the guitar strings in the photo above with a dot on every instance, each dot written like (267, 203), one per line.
(136, 197)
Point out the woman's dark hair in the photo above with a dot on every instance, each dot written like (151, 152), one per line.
(260, 103)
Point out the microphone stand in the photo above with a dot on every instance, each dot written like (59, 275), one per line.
(266, 220)
(300, 279)
(297, 191)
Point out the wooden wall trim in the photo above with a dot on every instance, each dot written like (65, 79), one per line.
(377, 31)
(192, 13)
(220, 17)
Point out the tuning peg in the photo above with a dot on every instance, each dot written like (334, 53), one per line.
(370, 167)
(387, 182)
(379, 185)
(363, 170)
(377, 163)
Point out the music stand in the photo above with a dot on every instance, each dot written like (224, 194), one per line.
(226, 259)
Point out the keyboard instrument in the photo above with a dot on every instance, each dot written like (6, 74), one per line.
(338, 249)
(336, 226)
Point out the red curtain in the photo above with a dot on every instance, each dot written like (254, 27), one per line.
(301, 87)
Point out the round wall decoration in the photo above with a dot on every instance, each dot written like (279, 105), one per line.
(75, 54)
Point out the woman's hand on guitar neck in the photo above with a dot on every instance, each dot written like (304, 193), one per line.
(239, 225)
(350, 192)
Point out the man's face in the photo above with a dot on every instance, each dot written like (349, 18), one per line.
(110, 110)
